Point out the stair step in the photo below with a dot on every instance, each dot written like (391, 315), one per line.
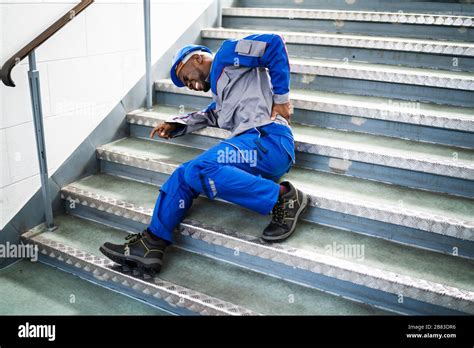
(60, 293)
(74, 246)
(435, 221)
(391, 160)
(426, 85)
(435, 6)
(361, 109)
(360, 16)
(357, 41)
(418, 25)
(223, 283)
(384, 151)
(368, 107)
(409, 25)
(422, 53)
(384, 73)
(449, 285)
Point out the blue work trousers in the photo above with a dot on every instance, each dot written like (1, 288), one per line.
(242, 170)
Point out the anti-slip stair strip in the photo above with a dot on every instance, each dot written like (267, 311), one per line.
(328, 199)
(384, 73)
(356, 41)
(423, 114)
(392, 214)
(335, 146)
(101, 268)
(356, 16)
(426, 291)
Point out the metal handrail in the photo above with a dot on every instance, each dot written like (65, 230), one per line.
(35, 95)
(147, 22)
(35, 92)
(5, 73)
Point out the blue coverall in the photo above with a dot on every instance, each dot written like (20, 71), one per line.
(244, 168)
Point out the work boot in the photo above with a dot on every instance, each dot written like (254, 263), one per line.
(142, 250)
(285, 214)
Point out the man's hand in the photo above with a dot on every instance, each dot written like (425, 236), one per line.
(285, 110)
(164, 130)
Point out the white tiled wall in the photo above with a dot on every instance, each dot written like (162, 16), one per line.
(85, 69)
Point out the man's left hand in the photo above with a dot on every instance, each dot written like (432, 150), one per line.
(285, 110)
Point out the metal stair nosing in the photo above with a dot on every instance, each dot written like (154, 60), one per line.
(360, 16)
(171, 297)
(414, 25)
(404, 6)
(362, 283)
(463, 49)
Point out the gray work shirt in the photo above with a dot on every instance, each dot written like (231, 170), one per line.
(244, 100)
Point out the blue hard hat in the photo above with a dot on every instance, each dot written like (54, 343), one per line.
(178, 57)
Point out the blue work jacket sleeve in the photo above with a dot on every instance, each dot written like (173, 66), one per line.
(194, 121)
(269, 51)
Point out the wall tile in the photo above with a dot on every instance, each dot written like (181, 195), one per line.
(13, 197)
(113, 27)
(22, 155)
(16, 106)
(5, 178)
(22, 23)
(84, 82)
(69, 130)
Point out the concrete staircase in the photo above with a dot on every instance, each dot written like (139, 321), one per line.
(384, 125)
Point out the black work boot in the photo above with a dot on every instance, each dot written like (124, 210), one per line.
(285, 214)
(142, 250)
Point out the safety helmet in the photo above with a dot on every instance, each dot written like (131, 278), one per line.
(178, 58)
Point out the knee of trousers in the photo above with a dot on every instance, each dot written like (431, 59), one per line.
(176, 178)
(197, 174)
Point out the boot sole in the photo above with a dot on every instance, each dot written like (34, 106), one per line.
(304, 205)
(131, 261)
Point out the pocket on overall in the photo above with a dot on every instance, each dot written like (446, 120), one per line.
(260, 149)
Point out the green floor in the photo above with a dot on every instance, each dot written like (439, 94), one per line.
(32, 288)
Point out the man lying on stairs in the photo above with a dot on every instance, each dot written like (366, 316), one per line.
(251, 102)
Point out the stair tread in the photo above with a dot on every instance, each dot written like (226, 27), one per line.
(383, 68)
(366, 16)
(52, 289)
(423, 45)
(380, 104)
(347, 142)
(385, 104)
(451, 271)
(326, 184)
(212, 277)
(384, 145)
(404, 6)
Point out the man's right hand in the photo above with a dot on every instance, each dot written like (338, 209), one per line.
(285, 110)
(164, 130)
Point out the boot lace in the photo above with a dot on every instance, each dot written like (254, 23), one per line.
(279, 213)
(132, 238)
